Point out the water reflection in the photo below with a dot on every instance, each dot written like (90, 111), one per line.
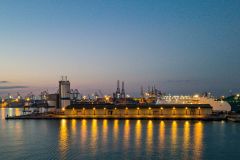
(94, 134)
(126, 134)
(115, 131)
(138, 130)
(73, 127)
(149, 137)
(63, 139)
(161, 134)
(198, 138)
(186, 139)
(174, 137)
(105, 131)
(3, 113)
(83, 132)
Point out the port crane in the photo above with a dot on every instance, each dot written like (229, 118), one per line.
(101, 94)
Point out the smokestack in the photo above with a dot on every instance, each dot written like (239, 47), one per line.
(123, 90)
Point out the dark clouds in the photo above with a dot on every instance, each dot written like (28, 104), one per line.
(13, 87)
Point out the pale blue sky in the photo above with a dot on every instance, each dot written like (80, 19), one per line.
(181, 46)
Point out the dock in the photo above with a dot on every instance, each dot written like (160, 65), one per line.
(59, 116)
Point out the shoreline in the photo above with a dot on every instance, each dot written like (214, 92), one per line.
(50, 117)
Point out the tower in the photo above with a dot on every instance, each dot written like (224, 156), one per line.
(123, 90)
(64, 93)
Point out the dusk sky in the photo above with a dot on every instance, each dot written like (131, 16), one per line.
(181, 46)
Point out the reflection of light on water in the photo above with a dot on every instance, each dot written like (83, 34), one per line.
(149, 135)
(18, 131)
(94, 134)
(174, 136)
(198, 137)
(105, 131)
(73, 126)
(115, 130)
(186, 138)
(3, 111)
(63, 138)
(126, 133)
(83, 132)
(138, 133)
(162, 134)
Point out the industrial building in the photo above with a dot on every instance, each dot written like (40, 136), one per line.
(64, 93)
(139, 110)
(121, 106)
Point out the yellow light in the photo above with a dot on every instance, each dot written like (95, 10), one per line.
(138, 108)
(186, 108)
(199, 108)
(63, 109)
(83, 108)
(73, 108)
(126, 108)
(149, 108)
(115, 108)
(104, 108)
(174, 108)
(196, 96)
(161, 108)
(94, 108)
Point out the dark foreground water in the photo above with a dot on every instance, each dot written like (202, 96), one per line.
(117, 139)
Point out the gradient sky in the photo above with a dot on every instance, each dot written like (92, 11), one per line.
(182, 46)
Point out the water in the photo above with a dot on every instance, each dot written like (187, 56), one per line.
(117, 139)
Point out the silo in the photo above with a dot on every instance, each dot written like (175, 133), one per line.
(64, 93)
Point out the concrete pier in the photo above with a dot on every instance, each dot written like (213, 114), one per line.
(58, 116)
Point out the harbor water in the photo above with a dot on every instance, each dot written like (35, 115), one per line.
(117, 139)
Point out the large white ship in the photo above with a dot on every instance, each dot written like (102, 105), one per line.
(218, 105)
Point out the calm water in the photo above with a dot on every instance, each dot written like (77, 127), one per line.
(117, 139)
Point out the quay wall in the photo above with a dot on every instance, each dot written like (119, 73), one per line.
(139, 112)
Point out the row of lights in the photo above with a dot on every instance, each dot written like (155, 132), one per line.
(139, 108)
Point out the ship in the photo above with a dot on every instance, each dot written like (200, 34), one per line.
(216, 104)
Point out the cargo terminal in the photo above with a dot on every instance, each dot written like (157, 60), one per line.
(69, 103)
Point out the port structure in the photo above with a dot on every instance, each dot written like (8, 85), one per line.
(64, 93)
(119, 96)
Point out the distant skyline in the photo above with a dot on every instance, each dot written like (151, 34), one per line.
(180, 46)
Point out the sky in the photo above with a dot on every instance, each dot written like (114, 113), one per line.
(182, 47)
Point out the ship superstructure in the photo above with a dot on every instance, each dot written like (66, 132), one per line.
(218, 105)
